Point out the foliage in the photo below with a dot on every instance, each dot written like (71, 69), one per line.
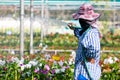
(109, 40)
(52, 67)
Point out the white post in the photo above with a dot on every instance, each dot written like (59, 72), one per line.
(42, 16)
(114, 13)
(21, 28)
(31, 26)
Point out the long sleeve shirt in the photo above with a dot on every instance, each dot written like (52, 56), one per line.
(90, 41)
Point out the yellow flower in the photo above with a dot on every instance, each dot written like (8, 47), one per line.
(54, 57)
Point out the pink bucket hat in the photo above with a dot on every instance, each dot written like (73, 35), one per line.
(86, 12)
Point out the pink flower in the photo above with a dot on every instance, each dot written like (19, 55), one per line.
(47, 67)
(35, 78)
(36, 71)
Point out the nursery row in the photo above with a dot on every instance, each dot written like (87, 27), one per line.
(55, 41)
(52, 67)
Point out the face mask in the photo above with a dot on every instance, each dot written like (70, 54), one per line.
(84, 25)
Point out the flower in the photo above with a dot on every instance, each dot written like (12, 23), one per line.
(2, 63)
(44, 71)
(40, 64)
(62, 69)
(54, 57)
(62, 58)
(28, 65)
(46, 67)
(12, 52)
(22, 68)
(44, 48)
(67, 67)
(71, 61)
(33, 63)
(73, 54)
(54, 63)
(35, 78)
(116, 59)
(57, 70)
(36, 70)
(60, 63)
(15, 59)
(53, 71)
(20, 63)
(51, 60)
(40, 45)
(108, 60)
(47, 56)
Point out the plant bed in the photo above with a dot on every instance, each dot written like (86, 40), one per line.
(52, 66)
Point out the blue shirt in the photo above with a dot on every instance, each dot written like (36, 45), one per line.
(90, 41)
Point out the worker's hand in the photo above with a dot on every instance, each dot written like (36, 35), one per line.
(91, 60)
(70, 25)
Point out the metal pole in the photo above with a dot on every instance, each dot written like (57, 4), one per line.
(46, 18)
(46, 15)
(42, 16)
(31, 26)
(114, 13)
(21, 28)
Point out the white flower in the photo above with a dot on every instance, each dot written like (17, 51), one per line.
(21, 62)
(44, 48)
(62, 69)
(54, 63)
(22, 68)
(15, 59)
(40, 45)
(108, 60)
(72, 70)
(33, 63)
(60, 63)
(37, 68)
(40, 64)
(71, 61)
(12, 52)
(2, 63)
(57, 70)
(73, 54)
(47, 56)
(116, 59)
(28, 65)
